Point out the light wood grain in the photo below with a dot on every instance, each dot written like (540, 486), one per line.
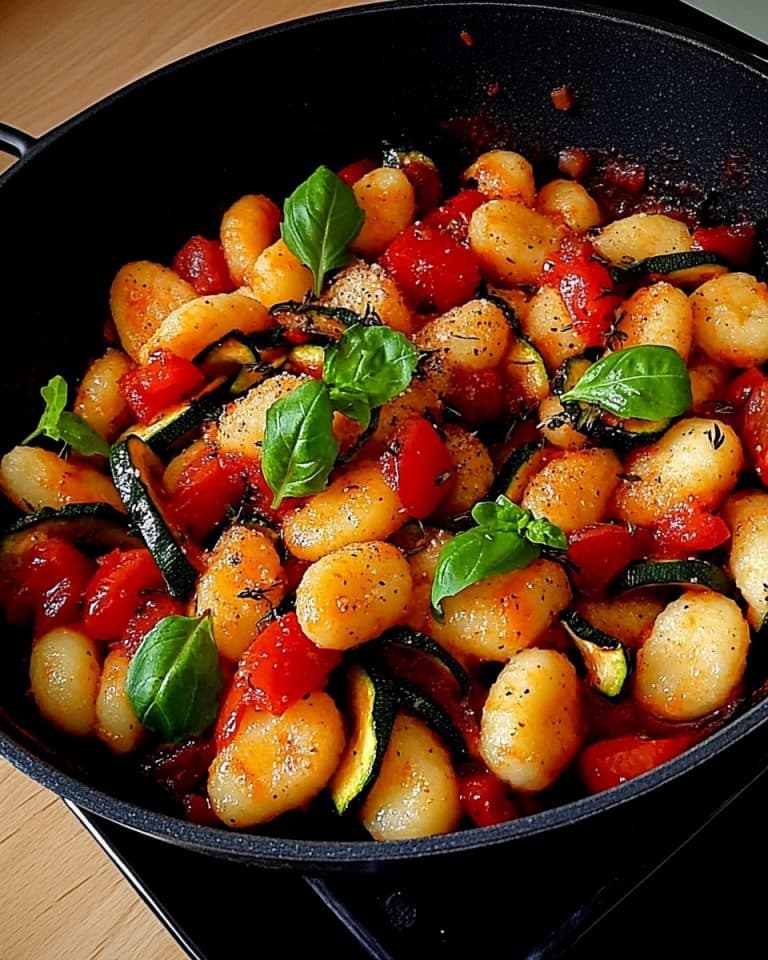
(62, 899)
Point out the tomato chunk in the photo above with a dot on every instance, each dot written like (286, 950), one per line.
(418, 466)
(755, 430)
(687, 531)
(608, 763)
(205, 492)
(599, 552)
(741, 387)
(485, 799)
(431, 268)
(478, 395)
(356, 170)
(734, 243)
(159, 384)
(117, 591)
(282, 665)
(155, 608)
(453, 216)
(52, 578)
(202, 264)
(586, 288)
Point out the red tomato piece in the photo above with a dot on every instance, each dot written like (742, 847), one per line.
(599, 552)
(205, 492)
(608, 763)
(755, 430)
(734, 243)
(52, 578)
(586, 288)
(181, 768)
(354, 171)
(257, 488)
(159, 384)
(282, 665)
(485, 799)
(231, 710)
(478, 395)
(432, 269)
(202, 264)
(155, 608)
(198, 809)
(453, 216)
(741, 387)
(418, 466)
(117, 590)
(686, 531)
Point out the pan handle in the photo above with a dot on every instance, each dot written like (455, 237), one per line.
(14, 141)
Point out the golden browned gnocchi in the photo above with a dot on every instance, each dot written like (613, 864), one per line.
(64, 672)
(730, 319)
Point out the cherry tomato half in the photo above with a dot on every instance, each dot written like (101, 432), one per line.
(202, 264)
(164, 381)
(418, 466)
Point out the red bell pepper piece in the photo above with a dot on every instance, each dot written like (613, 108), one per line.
(608, 763)
(117, 591)
(734, 243)
(599, 552)
(432, 269)
(755, 429)
(282, 665)
(202, 264)
(155, 608)
(52, 578)
(233, 705)
(204, 494)
(418, 466)
(485, 799)
(453, 216)
(686, 531)
(478, 395)
(356, 170)
(164, 381)
(586, 288)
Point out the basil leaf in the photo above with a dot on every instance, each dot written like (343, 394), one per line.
(475, 555)
(299, 447)
(174, 679)
(57, 424)
(645, 383)
(321, 218)
(543, 532)
(501, 514)
(352, 404)
(375, 362)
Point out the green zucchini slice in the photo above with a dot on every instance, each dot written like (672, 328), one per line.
(90, 524)
(413, 698)
(680, 573)
(569, 373)
(178, 423)
(134, 468)
(225, 357)
(517, 471)
(689, 268)
(405, 637)
(372, 709)
(525, 372)
(604, 656)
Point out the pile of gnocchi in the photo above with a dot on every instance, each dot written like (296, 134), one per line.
(423, 508)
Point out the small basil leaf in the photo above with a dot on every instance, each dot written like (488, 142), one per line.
(321, 218)
(546, 533)
(475, 555)
(299, 447)
(377, 362)
(174, 679)
(352, 404)
(55, 395)
(646, 383)
(81, 436)
(58, 424)
(501, 514)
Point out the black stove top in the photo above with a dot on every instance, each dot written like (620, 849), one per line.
(686, 879)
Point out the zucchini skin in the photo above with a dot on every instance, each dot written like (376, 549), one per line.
(128, 463)
(89, 523)
(406, 637)
(668, 264)
(686, 573)
(415, 700)
(605, 657)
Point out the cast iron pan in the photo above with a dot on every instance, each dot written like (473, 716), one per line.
(133, 177)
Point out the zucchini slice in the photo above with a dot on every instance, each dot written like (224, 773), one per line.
(690, 268)
(91, 524)
(680, 573)
(372, 709)
(605, 657)
(525, 372)
(405, 637)
(517, 471)
(413, 698)
(225, 357)
(569, 373)
(134, 467)
(176, 424)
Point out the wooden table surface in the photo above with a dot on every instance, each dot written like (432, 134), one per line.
(62, 899)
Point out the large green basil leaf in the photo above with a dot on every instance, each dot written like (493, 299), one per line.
(174, 679)
(321, 218)
(299, 448)
(375, 363)
(644, 383)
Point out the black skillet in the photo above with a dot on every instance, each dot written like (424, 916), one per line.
(134, 176)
